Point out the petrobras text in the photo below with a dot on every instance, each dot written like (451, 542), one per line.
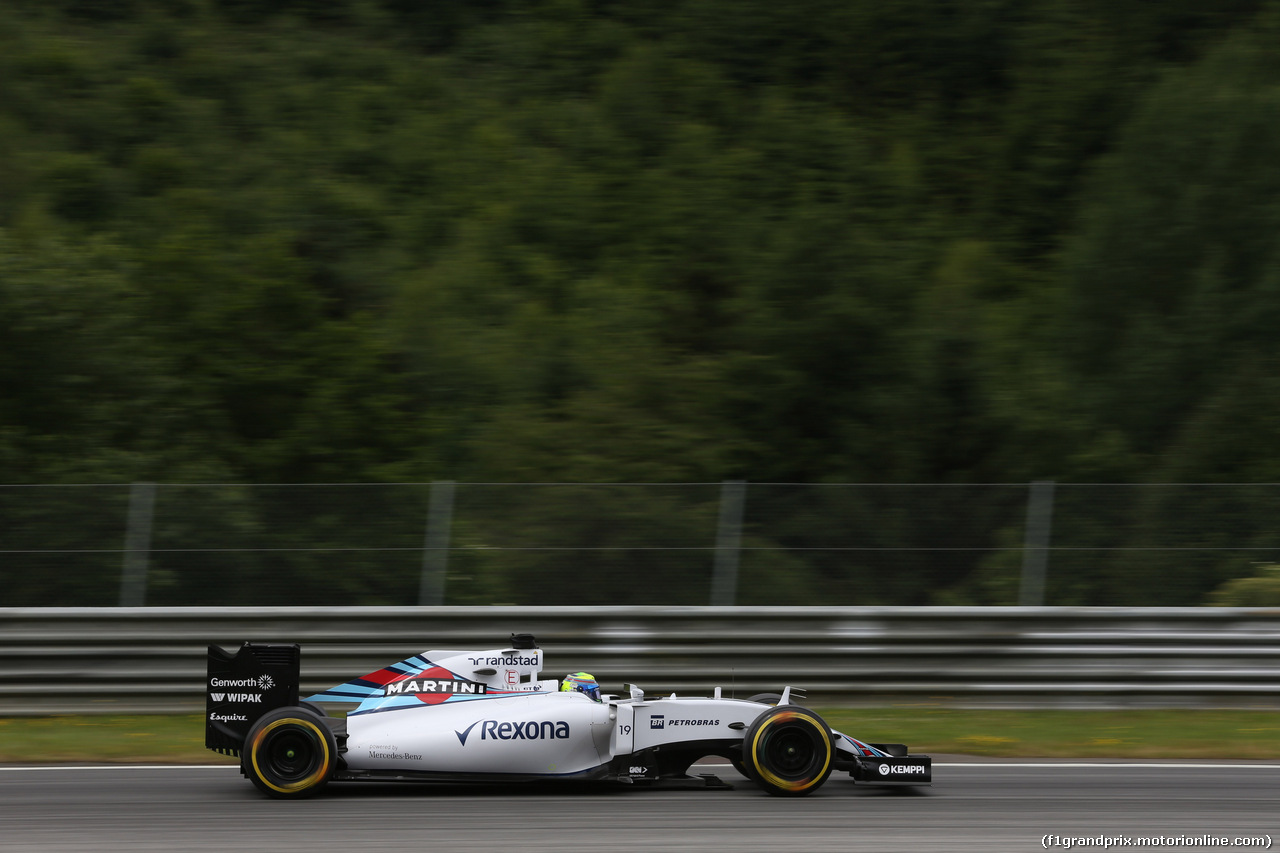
(659, 721)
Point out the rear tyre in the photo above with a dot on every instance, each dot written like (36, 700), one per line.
(290, 753)
(788, 751)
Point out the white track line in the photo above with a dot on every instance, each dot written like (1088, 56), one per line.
(55, 767)
(1103, 764)
(1057, 765)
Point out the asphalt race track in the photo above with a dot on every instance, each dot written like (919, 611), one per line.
(973, 806)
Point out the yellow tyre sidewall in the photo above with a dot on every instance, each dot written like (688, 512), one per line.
(322, 770)
(791, 785)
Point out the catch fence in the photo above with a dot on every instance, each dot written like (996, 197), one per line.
(733, 543)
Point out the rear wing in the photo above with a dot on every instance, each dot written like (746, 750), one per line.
(241, 687)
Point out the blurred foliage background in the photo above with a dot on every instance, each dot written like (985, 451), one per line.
(917, 241)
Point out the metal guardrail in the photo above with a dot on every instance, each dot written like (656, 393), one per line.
(152, 660)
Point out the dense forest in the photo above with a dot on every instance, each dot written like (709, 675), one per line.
(916, 241)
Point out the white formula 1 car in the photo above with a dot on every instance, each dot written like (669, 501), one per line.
(488, 716)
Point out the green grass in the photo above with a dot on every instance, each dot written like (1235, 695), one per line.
(1069, 734)
(123, 740)
(1056, 734)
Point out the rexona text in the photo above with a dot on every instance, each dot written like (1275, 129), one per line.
(532, 730)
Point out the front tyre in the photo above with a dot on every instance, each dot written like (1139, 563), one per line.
(289, 753)
(764, 699)
(789, 751)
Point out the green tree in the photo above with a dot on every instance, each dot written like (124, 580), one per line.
(1172, 298)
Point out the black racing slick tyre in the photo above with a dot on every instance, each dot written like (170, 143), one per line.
(289, 753)
(789, 751)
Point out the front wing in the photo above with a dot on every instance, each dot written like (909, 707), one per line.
(901, 770)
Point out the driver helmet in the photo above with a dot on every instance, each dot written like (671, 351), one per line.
(582, 682)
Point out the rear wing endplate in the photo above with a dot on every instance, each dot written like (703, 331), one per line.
(240, 688)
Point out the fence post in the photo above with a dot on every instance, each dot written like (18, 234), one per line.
(435, 551)
(724, 581)
(137, 545)
(1035, 551)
